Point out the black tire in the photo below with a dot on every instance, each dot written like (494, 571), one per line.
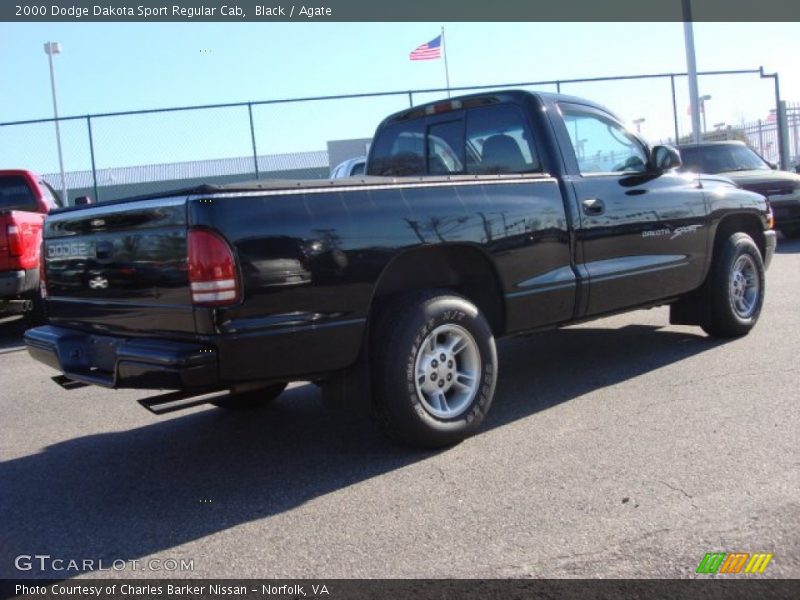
(406, 413)
(729, 313)
(251, 398)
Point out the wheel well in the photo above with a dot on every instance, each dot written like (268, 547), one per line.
(749, 224)
(463, 269)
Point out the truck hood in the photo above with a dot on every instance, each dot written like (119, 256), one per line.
(773, 184)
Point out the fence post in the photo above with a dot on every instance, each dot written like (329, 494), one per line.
(783, 136)
(674, 108)
(253, 137)
(782, 147)
(795, 115)
(558, 87)
(410, 99)
(760, 138)
(91, 154)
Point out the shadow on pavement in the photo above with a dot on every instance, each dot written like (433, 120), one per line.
(133, 493)
(11, 330)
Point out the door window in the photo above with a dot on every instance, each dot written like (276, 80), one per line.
(601, 144)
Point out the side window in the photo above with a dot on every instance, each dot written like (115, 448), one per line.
(498, 141)
(601, 144)
(445, 143)
(50, 195)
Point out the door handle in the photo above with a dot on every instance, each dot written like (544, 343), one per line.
(593, 206)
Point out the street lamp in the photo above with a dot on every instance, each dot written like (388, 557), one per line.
(703, 109)
(638, 122)
(51, 48)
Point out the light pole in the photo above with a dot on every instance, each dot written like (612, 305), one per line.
(691, 68)
(703, 109)
(51, 48)
(638, 122)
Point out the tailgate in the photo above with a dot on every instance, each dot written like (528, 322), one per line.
(120, 267)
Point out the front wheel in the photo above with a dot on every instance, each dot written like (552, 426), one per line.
(735, 288)
(435, 369)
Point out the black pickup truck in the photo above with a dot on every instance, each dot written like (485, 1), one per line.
(479, 217)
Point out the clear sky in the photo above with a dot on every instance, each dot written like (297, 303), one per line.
(109, 67)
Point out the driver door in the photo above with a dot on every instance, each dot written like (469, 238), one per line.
(642, 234)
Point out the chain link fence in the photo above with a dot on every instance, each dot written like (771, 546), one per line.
(113, 155)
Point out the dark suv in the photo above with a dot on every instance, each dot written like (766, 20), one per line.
(740, 163)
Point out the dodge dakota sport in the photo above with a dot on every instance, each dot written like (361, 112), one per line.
(478, 217)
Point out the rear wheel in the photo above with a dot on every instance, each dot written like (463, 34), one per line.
(251, 398)
(735, 288)
(435, 369)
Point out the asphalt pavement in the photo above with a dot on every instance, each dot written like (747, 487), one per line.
(620, 448)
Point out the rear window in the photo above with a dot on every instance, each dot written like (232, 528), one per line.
(399, 150)
(498, 141)
(487, 140)
(15, 194)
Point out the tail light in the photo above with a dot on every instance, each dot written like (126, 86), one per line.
(14, 240)
(213, 276)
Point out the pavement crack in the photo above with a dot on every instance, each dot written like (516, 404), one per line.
(678, 489)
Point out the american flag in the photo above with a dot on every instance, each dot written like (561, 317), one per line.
(429, 51)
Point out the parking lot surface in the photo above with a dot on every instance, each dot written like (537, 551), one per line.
(620, 448)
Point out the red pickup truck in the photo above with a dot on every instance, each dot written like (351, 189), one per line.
(25, 199)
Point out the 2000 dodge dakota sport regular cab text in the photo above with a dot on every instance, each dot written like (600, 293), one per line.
(480, 216)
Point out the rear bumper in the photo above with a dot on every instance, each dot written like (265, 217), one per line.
(118, 362)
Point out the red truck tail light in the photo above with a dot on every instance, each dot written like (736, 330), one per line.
(14, 240)
(213, 276)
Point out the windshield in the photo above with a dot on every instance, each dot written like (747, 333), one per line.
(721, 159)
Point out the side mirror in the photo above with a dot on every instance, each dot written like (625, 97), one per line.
(664, 158)
(83, 200)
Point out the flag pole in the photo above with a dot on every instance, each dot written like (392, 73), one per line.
(446, 72)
